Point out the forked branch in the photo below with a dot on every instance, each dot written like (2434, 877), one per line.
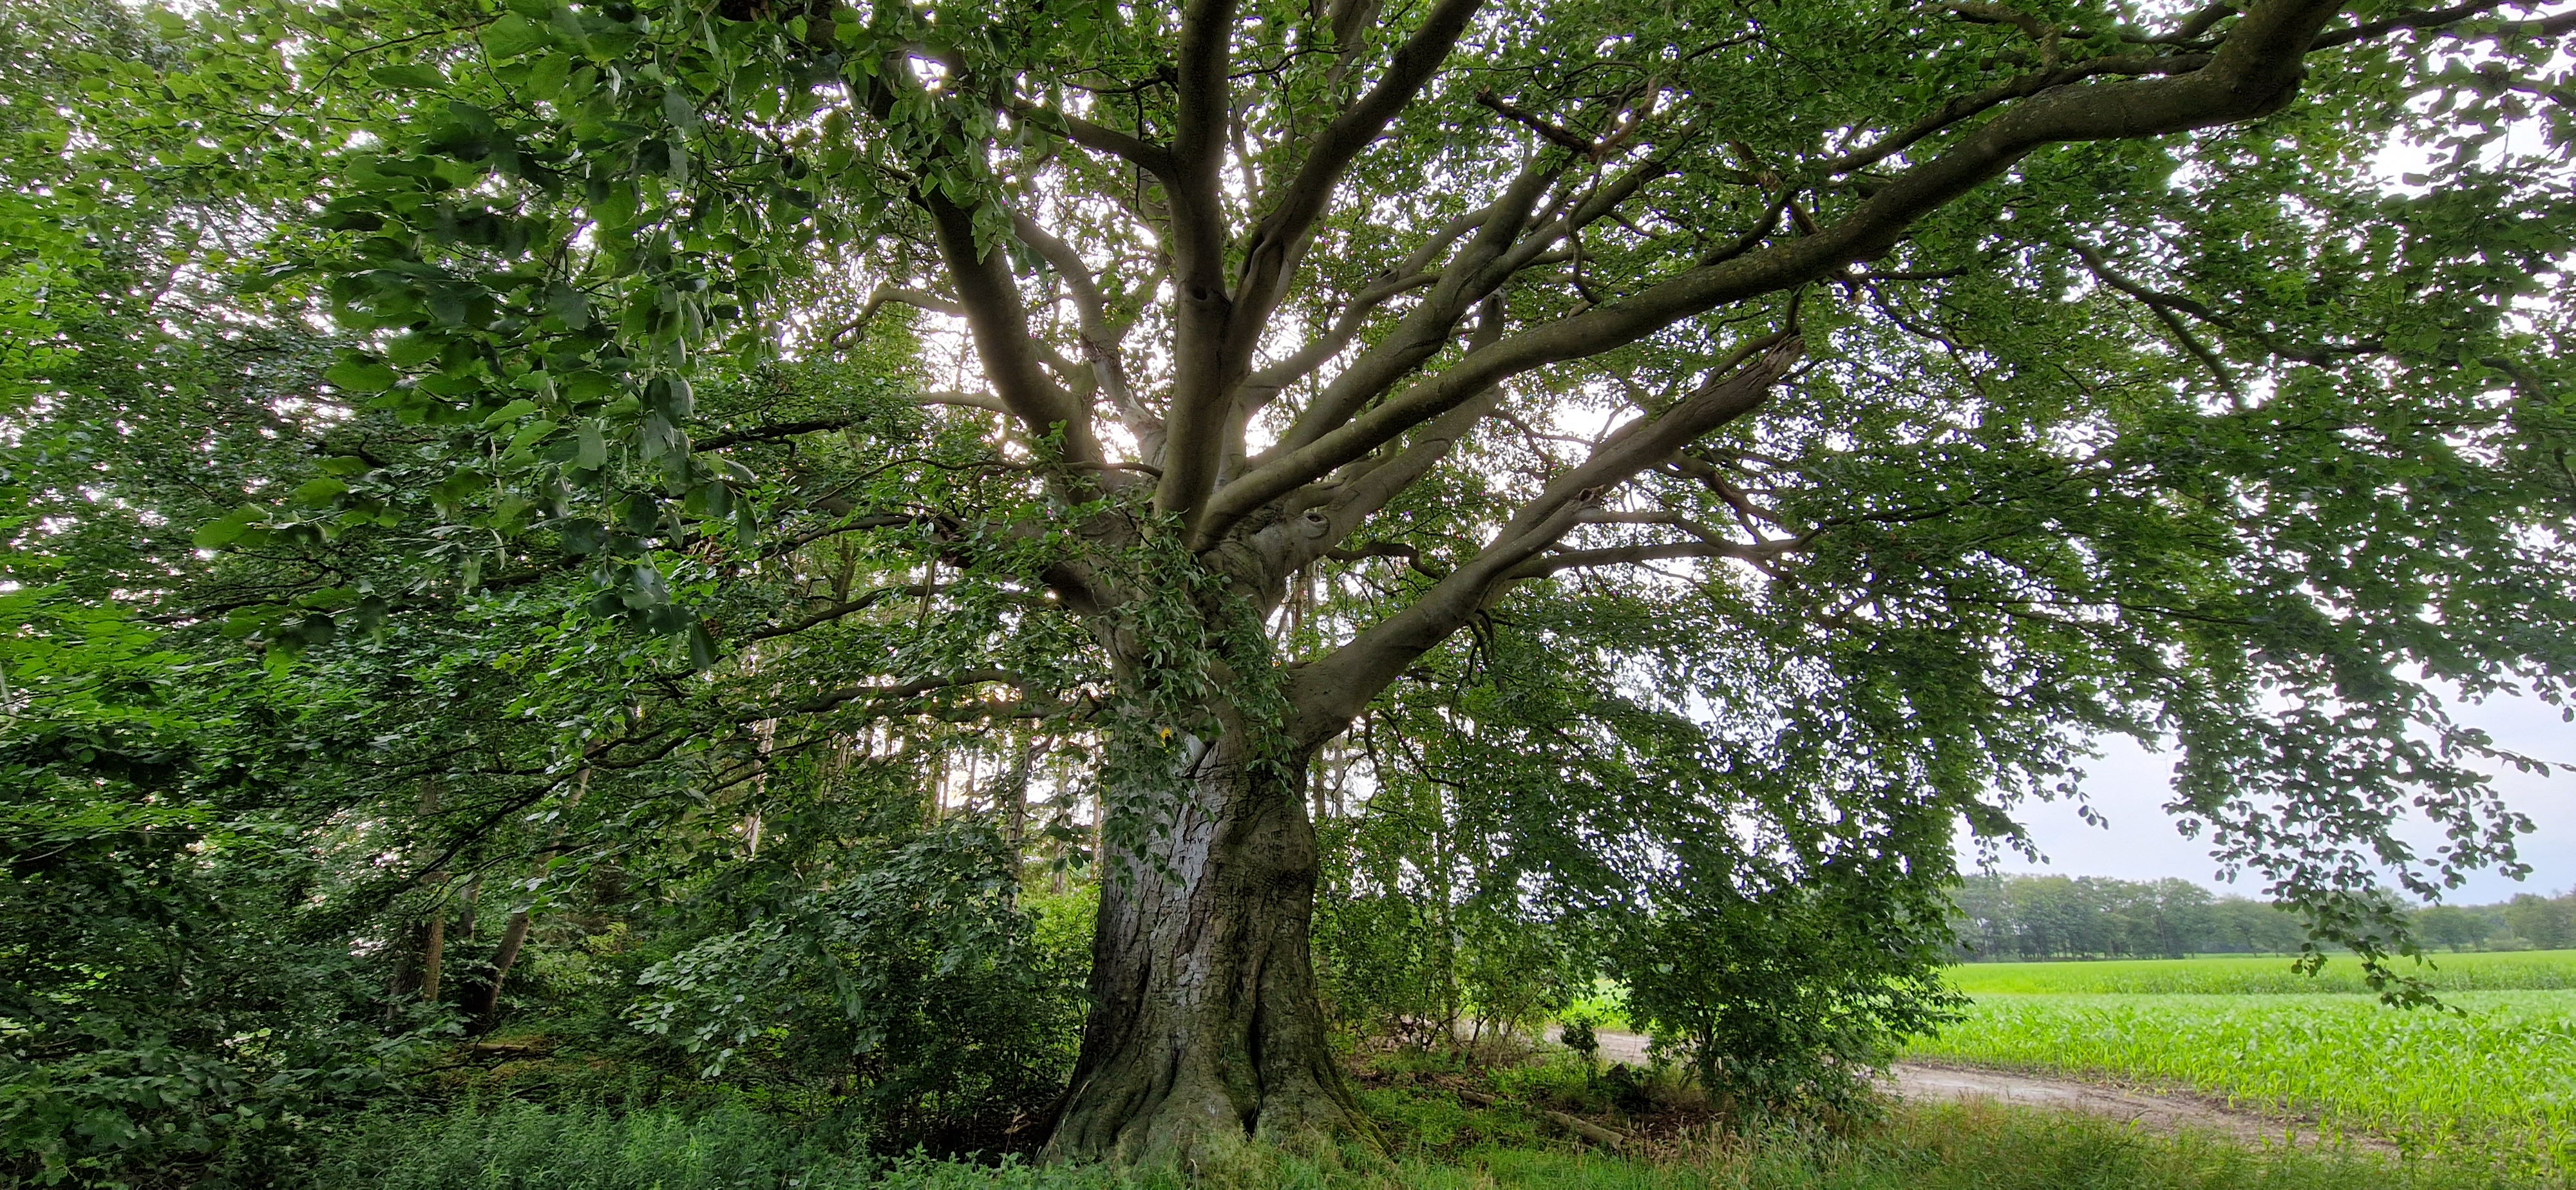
(1219, 329)
(1336, 687)
(2255, 71)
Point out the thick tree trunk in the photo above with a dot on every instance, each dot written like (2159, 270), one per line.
(1205, 1025)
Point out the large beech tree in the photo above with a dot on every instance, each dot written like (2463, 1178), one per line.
(1923, 388)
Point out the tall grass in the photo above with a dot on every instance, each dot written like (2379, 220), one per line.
(520, 1146)
(2496, 971)
(1946, 1148)
(2500, 1080)
(1955, 1147)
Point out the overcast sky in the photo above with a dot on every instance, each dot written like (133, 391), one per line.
(2130, 785)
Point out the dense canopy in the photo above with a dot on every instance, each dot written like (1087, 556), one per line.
(1601, 488)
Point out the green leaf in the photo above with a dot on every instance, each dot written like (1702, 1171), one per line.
(592, 453)
(514, 35)
(361, 377)
(511, 412)
(639, 513)
(586, 385)
(672, 396)
(584, 536)
(408, 77)
(531, 434)
(413, 350)
(569, 304)
(228, 528)
(460, 485)
(549, 77)
(243, 622)
(316, 493)
(677, 108)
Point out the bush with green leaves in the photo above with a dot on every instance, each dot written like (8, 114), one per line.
(901, 966)
(179, 995)
(1787, 1001)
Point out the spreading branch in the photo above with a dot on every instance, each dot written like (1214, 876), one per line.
(999, 323)
(878, 299)
(1151, 157)
(2255, 71)
(1339, 685)
(1628, 555)
(1218, 330)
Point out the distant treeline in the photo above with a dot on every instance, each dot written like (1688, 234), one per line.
(2061, 917)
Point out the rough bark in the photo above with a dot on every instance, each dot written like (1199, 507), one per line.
(1205, 1027)
(514, 936)
(417, 963)
(420, 975)
(433, 954)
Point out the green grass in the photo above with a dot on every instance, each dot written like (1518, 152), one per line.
(1606, 1007)
(521, 1146)
(2499, 1081)
(2489, 971)
(1945, 1148)
(1961, 1147)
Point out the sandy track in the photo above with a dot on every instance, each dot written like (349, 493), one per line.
(1925, 1081)
(2156, 1113)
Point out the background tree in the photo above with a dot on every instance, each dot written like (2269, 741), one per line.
(2046, 917)
(2052, 917)
(2547, 923)
(2453, 926)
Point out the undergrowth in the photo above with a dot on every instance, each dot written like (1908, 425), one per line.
(1436, 1141)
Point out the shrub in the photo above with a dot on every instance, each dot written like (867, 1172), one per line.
(1787, 1001)
(168, 1016)
(909, 975)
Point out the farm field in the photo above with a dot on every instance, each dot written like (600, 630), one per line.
(2476, 971)
(2497, 1078)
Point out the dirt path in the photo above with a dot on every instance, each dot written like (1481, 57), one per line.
(1924, 1081)
(2158, 1113)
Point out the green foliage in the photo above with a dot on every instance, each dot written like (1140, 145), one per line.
(1949, 1148)
(1578, 1036)
(513, 379)
(1387, 934)
(204, 459)
(1787, 1001)
(174, 1004)
(507, 1146)
(2546, 922)
(1542, 819)
(904, 968)
(2058, 917)
(2455, 926)
(563, 265)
